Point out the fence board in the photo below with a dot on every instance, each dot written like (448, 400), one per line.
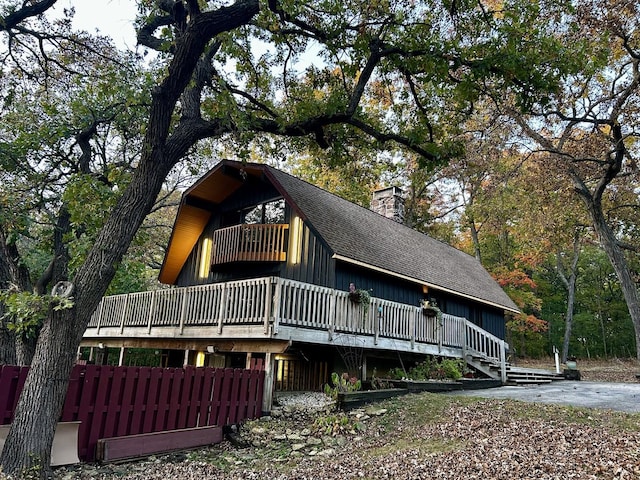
(114, 402)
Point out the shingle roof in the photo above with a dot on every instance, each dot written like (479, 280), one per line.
(360, 235)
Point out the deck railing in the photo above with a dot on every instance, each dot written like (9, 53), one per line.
(274, 302)
(250, 243)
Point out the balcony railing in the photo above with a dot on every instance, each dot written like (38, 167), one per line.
(250, 243)
(270, 304)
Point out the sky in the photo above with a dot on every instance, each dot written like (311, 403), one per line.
(111, 17)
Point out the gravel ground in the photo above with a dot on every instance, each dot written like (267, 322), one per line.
(425, 436)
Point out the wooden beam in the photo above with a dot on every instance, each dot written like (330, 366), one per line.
(131, 446)
(222, 346)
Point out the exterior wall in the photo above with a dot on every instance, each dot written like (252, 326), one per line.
(309, 260)
(490, 319)
(397, 290)
(378, 284)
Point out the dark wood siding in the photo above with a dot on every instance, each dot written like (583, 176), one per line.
(378, 284)
(314, 263)
(402, 291)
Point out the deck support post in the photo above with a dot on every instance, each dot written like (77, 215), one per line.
(269, 367)
(121, 358)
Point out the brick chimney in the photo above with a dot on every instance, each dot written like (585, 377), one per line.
(389, 202)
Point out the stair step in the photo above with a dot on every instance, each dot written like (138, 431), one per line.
(523, 381)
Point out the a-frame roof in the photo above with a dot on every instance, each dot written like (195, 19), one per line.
(353, 233)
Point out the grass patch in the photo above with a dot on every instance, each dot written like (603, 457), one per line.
(422, 445)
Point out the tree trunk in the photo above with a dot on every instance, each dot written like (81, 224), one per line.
(13, 276)
(25, 350)
(7, 342)
(475, 239)
(29, 440)
(620, 266)
(28, 443)
(570, 284)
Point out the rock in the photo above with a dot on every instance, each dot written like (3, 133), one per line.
(314, 441)
(294, 437)
(376, 412)
(305, 432)
(298, 446)
(258, 430)
(327, 452)
(279, 438)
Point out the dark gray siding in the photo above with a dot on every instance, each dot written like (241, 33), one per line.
(378, 284)
(315, 264)
(397, 290)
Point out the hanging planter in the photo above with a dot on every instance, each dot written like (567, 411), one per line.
(430, 309)
(360, 296)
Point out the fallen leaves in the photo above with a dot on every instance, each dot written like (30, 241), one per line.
(428, 436)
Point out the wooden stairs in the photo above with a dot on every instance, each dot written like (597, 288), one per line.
(515, 375)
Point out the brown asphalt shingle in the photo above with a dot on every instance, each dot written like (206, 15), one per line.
(359, 234)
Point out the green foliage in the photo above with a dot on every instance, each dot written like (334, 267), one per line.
(342, 384)
(432, 369)
(26, 311)
(337, 424)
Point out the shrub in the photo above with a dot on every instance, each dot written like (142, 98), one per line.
(342, 384)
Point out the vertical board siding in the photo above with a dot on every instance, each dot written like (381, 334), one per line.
(119, 401)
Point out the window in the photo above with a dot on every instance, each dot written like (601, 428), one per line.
(268, 212)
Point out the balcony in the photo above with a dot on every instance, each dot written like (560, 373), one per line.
(250, 243)
(285, 310)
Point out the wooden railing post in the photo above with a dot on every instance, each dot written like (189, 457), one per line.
(268, 299)
(124, 313)
(376, 325)
(412, 327)
(332, 314)
(222, 312)
(503, 362)
(277, 295)
(183, 309)
(100, 314)
(151, 308)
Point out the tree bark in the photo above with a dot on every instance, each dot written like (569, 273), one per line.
(570, 284)
(621, 267)
(14, 276)
(28, 443)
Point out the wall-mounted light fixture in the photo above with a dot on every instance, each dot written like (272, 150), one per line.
(205, 258)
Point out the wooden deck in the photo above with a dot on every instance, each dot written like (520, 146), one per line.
(277, 309)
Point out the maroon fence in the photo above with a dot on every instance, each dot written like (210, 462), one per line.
(118, 401)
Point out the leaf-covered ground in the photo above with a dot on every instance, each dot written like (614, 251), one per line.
(425, 436)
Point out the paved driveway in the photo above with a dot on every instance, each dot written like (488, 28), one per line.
(624, 397)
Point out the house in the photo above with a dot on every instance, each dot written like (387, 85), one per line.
(267, 268)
